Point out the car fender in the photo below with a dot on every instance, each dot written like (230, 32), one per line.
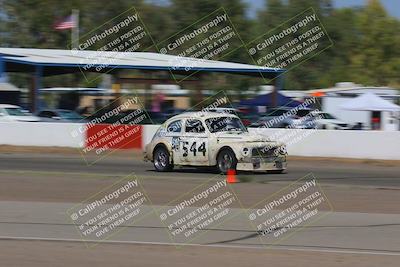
(165, 144)
(234, 148)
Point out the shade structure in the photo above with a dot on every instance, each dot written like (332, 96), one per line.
(47, 62)
(370, 102)
(56, 61)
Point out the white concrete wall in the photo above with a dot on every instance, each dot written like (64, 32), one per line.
(41, 134)
(327, 143)
(336, 143)
(312, 143)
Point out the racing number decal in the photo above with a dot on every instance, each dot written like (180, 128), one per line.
(201, 148)
(193, 149)
(185, 149)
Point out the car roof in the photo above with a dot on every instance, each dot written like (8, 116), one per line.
(201, 114)
(8, 106)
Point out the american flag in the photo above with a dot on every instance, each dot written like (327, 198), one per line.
(67, 23)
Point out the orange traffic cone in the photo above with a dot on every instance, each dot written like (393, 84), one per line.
(231, 177)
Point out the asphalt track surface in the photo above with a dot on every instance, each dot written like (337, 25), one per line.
(30, 213)
(366, 173)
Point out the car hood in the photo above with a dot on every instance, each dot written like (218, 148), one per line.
(247, 138)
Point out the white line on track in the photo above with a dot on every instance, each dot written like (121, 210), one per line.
(339, 251)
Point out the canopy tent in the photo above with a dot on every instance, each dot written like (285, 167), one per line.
(267, 100)
(370, 102)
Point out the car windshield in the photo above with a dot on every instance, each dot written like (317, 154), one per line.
(67, 114)
(225, 124)
(16, 112)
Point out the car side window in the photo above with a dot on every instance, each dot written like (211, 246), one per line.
(194, 126)
(175, 127)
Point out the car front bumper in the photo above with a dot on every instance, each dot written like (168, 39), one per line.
(262, 164)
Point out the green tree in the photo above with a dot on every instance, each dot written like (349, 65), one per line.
(376, 58)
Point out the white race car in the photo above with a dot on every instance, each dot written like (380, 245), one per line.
(213, 139)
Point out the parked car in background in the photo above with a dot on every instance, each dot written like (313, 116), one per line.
(15, 113)
(59, 115)
(325, 120)
(281, 117)
(246, 118)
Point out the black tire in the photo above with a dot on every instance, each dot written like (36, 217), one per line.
(161, 160)
(226, 160)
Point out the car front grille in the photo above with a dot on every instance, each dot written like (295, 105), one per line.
(263, 152)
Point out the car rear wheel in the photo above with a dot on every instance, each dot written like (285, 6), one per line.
(226, 160)
(161, 160)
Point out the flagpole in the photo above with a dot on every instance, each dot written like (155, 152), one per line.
(75, 29)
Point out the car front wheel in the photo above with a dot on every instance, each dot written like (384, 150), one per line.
(226, 160)
(161, 160)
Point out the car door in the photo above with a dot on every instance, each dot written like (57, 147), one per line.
(173, 134)
(193, 144)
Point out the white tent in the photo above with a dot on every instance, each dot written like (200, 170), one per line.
(370, 102)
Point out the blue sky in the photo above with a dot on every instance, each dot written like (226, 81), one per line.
(392, 6)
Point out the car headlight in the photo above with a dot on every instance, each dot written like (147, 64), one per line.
(282, 150)
(245, 151)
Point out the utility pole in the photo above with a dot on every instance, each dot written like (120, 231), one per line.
(75, 29)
